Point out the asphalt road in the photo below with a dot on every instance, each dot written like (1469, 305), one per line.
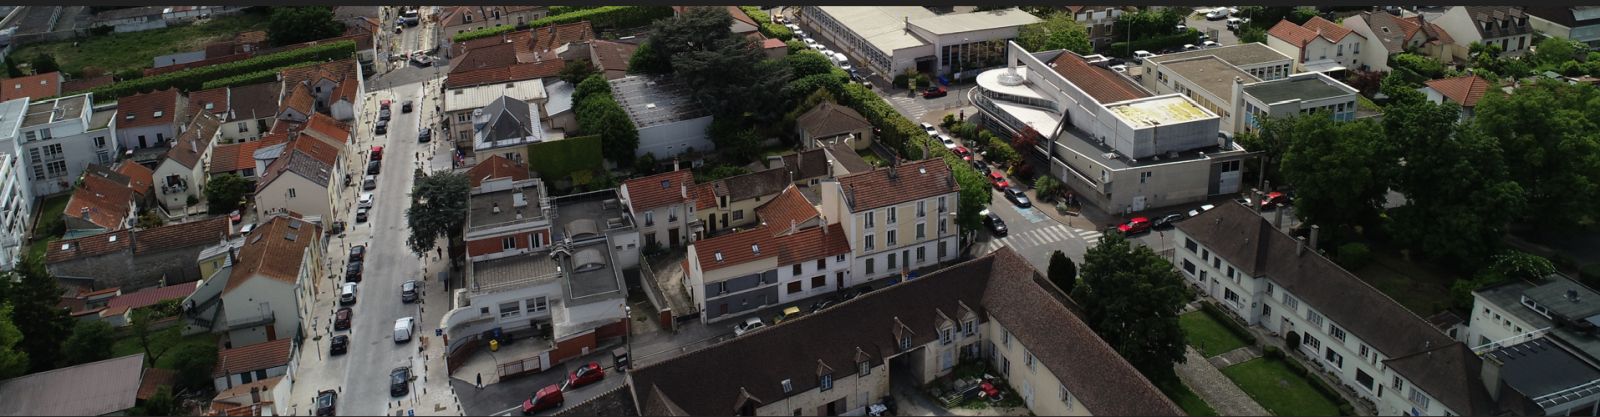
(506, 397)
(1224, 36)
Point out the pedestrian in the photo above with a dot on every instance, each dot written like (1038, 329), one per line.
(480, 380)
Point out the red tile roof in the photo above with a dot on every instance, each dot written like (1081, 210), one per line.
(761, 243)
(913, 181)
(496, 167)
(149, 297)
(256, 357)
(332, 71)
(144, 106)
(32, 86)
(214, 100)
(300, 99)
(182, 235)
(789, 207)
(234, 157)
(269, 252)
(155, 378)
(522, 38)
(140, 178)
(87, 246)
(705, 195)
(346, 92)
(1332, 31)
(1465, 91)
(327, 127)
(514, 72)
(660, 190)
(104, 201)
(773, 43)
(1098, 82)
(297, 157)
(1301, 35)
(610, 55)
(547, 39)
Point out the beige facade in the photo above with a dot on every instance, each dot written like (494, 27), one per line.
(298, 194)
(851, 393)
(922, 233)
(1040, 389)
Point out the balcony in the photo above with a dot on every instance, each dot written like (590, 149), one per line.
(259, 319)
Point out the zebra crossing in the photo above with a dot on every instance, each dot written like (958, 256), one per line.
(911, 107)
(1041, 237)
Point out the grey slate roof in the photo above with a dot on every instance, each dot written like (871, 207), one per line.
(90, 389)
(507, 119)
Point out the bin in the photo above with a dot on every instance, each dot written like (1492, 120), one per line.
(494, 345)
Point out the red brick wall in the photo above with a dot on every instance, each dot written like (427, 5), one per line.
(613, 330)
(493, 245)
(572, 347)
(665, 319)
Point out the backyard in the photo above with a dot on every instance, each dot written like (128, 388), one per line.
(1207, 335)
(137, 50)
(1280, 390)
(128, 345)
(49, 215)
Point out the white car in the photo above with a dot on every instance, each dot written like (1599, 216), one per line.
(1119, 68)
(1202, 209)
(928, 127)
(793, 27)
(347, 294)
(799, 33)
(809, 41)
(749, 325)
(403, 328)
(845, 67)
(1141, 54)
(366, 200)
(1190, 47)
(1209, 44)
(949, 143)
(1217, 14)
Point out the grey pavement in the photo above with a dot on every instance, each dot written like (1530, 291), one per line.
(1215, 388)
(506, 397)
(1235, 357)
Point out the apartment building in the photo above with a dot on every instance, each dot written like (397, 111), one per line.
(506, 126)
(466, 103)
(55, 140)
(16, 215)
(663, 207)
(1503, 26)
(898, 219)
(1115, 144)
(1099, 21)
(303, 177)
(792, 254)
(1346, 328)
(455, 20)
(181, 173)
(1240, 97)
(994, 309)
(1579, 23)
(246, 112)
(1538, 337)
(508, 217)
(261, 293)
(733, 202)
(1300, 94)
(893, 39)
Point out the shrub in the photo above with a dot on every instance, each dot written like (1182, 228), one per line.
(561, 158)
(604, 17)
(1272, 352)
(267, 75)
(949, 120)
(1346, 410)
(900, 80)
(1216, 313)
(1354, 255)
(194, 78)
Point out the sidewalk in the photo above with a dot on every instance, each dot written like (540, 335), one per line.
(1215, 388)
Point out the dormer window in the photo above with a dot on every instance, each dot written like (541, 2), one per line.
(467, 18)
(863, 369)
(788, 386)
(827, 382)
(905, 343)
(666, 184)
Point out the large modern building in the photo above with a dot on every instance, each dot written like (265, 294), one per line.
(889, 40)
(16, 215)
(1116, 144)
(56, 139)
(670, 122)
(1242, 83)
(1299, 94)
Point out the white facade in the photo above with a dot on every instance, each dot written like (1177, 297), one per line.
(1510, 34)
(16, 217)
(923, 233)
(1321, 54)
(792, 287)
(55, 144)
(1299, 94)
(889, 40)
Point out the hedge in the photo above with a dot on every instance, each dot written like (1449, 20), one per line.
(1220, 316)
(558, 159)
(195, 78)
(257, 77)
(765, 24)
(1125, 49)
(604, 17)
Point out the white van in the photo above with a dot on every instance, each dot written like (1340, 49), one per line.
(1141, 54)
(403, 328)
(347, 294)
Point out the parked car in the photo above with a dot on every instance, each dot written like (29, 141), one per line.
(405, 107)
(1137, 225)
(982, 167)
(995, 224)
(1140, 55)
(376, 153)
(1168, 221)
(403, 329)
(399, 381)
(369, 183)
(341, 318)
(999, 180)
(374, 166)
(383, 114)
(408, 291)
(585, 375)
(365, 201)
(748, 325)
(1202, 209)
(425, 135)
(327, 401)
(1274, 200)
(358, 253)
(247, 228)
(1209, 44)
(1119, 68)
(382, 128)
(821, 304)
(1190, 47)
(935, 92)
(928, 127)
(809, 41)
(1245, 201)
(1018, 197)
(792, 27)
(347, 294)
(361, 214)
(352, 271)
(966, 155)
(340, 345)
(1217, 14)
(546, 398)
(787, 313)
(949, 142)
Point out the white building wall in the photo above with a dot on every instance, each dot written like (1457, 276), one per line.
(808, 269)
(309, 198)
(16, 215)
(259, 294)
(520, 317)
(1042, 392)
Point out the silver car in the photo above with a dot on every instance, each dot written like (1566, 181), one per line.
(749, 325)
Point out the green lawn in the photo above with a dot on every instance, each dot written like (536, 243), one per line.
(1207, 335)
(1421, 287)
(872, 158)
(49, 211)
(1279, 390)
(130, 345)
(136, 50)
(1191, 403)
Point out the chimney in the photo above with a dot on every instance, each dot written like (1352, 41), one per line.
(1300, 246)
(1314, 232)
(84, 213)
(1490, 373)
(674, 163)
(255, 395)
(684, 189)
(794, 226)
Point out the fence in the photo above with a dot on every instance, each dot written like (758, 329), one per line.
(652, 290)
(519, 367)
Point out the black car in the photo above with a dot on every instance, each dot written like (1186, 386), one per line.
(361, 215)
(383, 114)
(819, 305)
(399, 381)
(358, 253)
(408, 292)
(326, 401)
(982, 167)
(352, 271)
(1168, 221)
(405, 107)
(425, 135)
(382, 128)
(369, 184)
(340, 345)
(995, 224)
(374, 166)
(341, 318)
(1018, 197)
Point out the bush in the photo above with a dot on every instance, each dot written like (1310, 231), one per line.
(900, 80)
(194, 78)
(1292, 340)
(560, 158)
(1125, 49)
(1272, 352)
(258, 77)
(604, 17)
(1354, 255)
(1216, 313)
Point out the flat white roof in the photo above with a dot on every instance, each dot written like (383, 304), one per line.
(1153, 111)
(458, 99)
(975, 21)
(1040, 120)
(990, 80)
(881, 26)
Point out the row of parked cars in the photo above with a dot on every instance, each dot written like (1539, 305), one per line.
(1142, 224)
(551, 396)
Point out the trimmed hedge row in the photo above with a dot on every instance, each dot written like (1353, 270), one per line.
(1233, 326)
(1273, 353)
(257, 77)
(604, 17)
(195, 78)
(558, 159)
(765, 24)
(1125, 49)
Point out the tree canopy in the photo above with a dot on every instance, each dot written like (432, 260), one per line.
(13, 359)
(1338, 169)
(1059, 30)
(1063, 272)
(1458, 196)
(226, 192)
(296, 24)
(1550, 136)
(32, 293)
(90, 341)
(1131, 297)
(438, 209)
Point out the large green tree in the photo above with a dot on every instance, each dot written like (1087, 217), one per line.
(155, 342)
(591, 86)
(1059, 30)
(1549, 132)
(226, 192)
(193, 363)
(90, 341)
(1339, 169)
(1131, 297)
(296, 24)
(807, 63)
(601, 115)
(1063, 272)
(438, 209)
(32, 293)
(1458, 195)
(13, 359)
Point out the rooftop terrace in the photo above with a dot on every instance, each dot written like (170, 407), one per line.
(504, 203)
(1299, 88)
(1156, 111)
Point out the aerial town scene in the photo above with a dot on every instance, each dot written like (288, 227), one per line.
(646, 210)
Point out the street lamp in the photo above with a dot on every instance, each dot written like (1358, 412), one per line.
(627, 328)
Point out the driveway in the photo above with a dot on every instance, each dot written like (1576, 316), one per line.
(506, 397)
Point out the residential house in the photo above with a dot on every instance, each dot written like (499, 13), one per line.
(150, 120)
(670, 122)
(662, 206)
(136, 258)
(336, 88)
(298, 104)
(1318, 45)
(16, 215)
(36, 87)
(467, 94)
(182, 172)
(1579, 23)
(495, 168)
(258, 295)
(323, 128)
(258, 398)
(1387, 35)
(1116, 145)
(995, 309)
(807, 169)
(1503, 26)
(505, 127)
(1099, 21)
(1345, 327)
(246, 112)
(611, 58)
(791, 255)
(119, 309)
(141, 179)
(454, 20)
(107, 387)
(304, 180)
(894, 39)
(567, 41)
(1538, 355)
(56, 139)
(1465, 91)
(507, 217)
(898, 219)
(732, 202)
(236, 158)
(103, 202)
(829, 123)
(256, 362)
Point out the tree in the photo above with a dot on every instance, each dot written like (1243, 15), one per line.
(90, 341)
(155, 343)
(150, 220)
(1047, 187)
(13, 360)
(44, 64)
(1508, 265)
(1550, 136)
(593, 85)
(438, 209)
(1458, 195)
(1252, 34)
(160, 403)
(1340, 170)
(295, 24)
(193, 364)
(32, 294)
(974, 195)
(1131, 298)
(647, 60)
(807, 63)
(576, 71)
(1399, 91)
(1063, 272)
(1057, 30)
(600, 115)
(1147, 23)
(1555, 51)
(225, 192)
(737, 143)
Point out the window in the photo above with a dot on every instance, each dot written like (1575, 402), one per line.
(1269, 289)
(1188, 266)
(1314, 318)
(99, 141)
(738, 214)
(649, 218)
(787, 387)
(1291, 303)
(941, 204)
(244, 127)
(922, 231)
(1027, 359)
(969, 327)
(922, 209)
(891, 261)
(793, 287)
(1216, 263)
(1396, 384)
(819, 281)
(1066, 397)
(797, 269)
(1005, 339)
(509, 310)
(905, 342)
(941, 226)
(1231, 274)
(946, 336)
(869, 262)
(869, 220)
(922, 255)
(822, 263)
(870, 243)
(1005, 366)
(1334, 358)
(536, 305)
(672, 214)
(1365, 350)
(57, 168)
(1364, 379)
(891, 240)
(864, 368)
(508, 243)
(1418, 398)
(838, 258)
(1337, 332)
(291, 193)
(1205, 255)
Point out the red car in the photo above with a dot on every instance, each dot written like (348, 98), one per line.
(999, 180)
(966, 155)
(377, 153)
(1137, 225)
(935, 92)
(586, 375)
(1274, 199)
(547, 398)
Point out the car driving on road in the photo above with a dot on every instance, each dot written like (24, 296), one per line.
(1137, 225)
(408, 291)
(995, 224)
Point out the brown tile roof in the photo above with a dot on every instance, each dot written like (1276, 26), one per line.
(193, 143)
(496, 167)
(260, 356)
(87, 246)
(515, 72)
(773, 43)
(1301, 35)
(140, 178)
(705, 195)
(33, 86)
(610, 55)
(300, 99)
(215, 101)
(255, 101)
(346, 91)
(1327, 29)
(496, 55)
(1103, 84)
(1001, 286)
(789, 207)
(753, 185)
(808, 164)
(326, 126)
(547, 39)
(234, 157)
(105, 201)
(144, 106)
(155, 378)
(149, 297)
(1465, 91)
(269, 252)
(1249, 241)
(308, 157)
(182, 235)
(480, 14)
(660, 190)
(874, 189)
(85, 84)
(803, 246)
(311, 74)
(523, 39)
(830, 119)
